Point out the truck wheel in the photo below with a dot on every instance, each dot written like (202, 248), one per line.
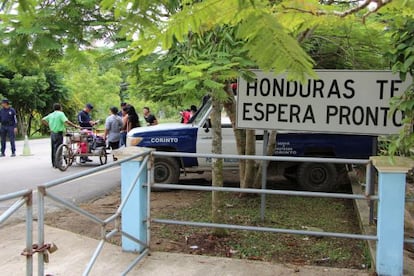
(317, 177)
(166, 170)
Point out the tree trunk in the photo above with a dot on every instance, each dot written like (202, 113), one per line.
(250, 164)
(239, 134)
(29, 125)
(21, 122)
(271, 146)
(241, 150)
(217, 166)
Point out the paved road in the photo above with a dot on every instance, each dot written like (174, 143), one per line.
(21, 172)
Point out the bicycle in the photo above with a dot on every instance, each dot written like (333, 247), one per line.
(82, 144)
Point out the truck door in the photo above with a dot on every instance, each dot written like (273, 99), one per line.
(204, 141)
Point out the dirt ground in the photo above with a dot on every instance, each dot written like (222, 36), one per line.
(300, 250)
(105, 206)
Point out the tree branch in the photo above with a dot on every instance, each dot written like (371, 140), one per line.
(363, 4)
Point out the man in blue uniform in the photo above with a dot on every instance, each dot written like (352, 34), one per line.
(8, 127)
(84, 117)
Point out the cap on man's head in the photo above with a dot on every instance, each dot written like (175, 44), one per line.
(5, 101)
(90, 106)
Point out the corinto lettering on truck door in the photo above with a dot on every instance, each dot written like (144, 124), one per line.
(157, 140)
(339, 101)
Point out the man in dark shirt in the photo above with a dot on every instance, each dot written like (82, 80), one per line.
(85, 121)
(149, 118)
(8, 127)
(84, 117)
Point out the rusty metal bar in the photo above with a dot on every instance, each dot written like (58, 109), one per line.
(111, 234)
(264, 177)
(24, 197)
(29, 233)
(89, 172)
(76, 209)
(150, 179)
(260, 191)
(12, 209)
(112, 218)
(15, 195)
(266, 158)
(132, 238)
(266, 229)
(41, 192)
(93, 258)
(135, 262)
(409, 241)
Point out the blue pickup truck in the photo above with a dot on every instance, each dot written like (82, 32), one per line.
(196, 137)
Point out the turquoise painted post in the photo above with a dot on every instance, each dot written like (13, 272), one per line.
(134, 214)
(391, 205)
(390, 225)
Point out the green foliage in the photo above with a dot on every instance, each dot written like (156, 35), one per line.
(259, 29)
(264, 35)
(200, 78)
(32, 93)
(88, 84)
(229, 59)
(403, 143)
(402, 54)
(401, 57)
(192, 69)
(349, 46)
(35, 33)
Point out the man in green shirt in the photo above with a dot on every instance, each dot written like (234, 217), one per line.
(56, 121)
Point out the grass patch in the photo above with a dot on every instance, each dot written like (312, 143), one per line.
(317, 214)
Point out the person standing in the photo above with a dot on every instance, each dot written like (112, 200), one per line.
(84, 117)
(8, 127)
(132, 119)
(124, 112)
(113, 125)
(149, 118)
(193, 111)
(56, 121)
(123, 104)
(185, 116)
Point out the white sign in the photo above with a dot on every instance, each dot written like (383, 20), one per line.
(339, 101)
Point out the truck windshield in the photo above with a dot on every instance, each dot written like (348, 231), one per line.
(202, 113)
